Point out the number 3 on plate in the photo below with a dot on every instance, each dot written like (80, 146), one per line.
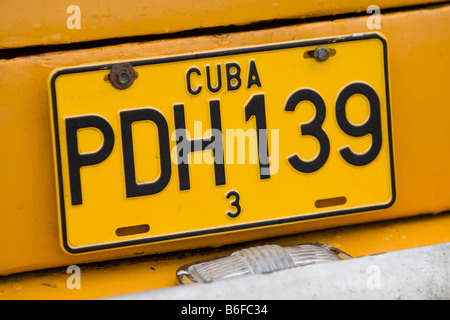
(235, 203)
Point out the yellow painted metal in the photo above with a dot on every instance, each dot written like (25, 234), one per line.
(418, 42)
(31, 23)
(106, 204)
(105, 279)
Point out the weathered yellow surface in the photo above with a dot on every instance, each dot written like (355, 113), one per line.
(105, 279)
(418, 45)
(31, 23)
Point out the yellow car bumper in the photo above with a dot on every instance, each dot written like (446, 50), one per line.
(32, 263)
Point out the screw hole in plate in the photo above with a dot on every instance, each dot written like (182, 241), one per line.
(310, 54)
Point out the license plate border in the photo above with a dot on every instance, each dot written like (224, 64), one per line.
(194, 56)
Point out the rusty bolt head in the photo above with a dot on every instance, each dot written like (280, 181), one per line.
(321, 54)
(122, 76)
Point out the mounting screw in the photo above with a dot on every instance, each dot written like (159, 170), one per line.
(321, 54)
(122, 76)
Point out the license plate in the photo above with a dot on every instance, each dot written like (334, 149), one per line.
(221, 141)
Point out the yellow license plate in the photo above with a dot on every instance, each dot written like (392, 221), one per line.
(220, 141)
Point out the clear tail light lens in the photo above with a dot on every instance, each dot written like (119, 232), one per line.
(260, 259)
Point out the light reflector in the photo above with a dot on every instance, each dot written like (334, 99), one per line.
(260, 259)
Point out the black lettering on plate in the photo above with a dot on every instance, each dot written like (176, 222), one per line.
(185, 146)
(371, 126)
(188, 81)
(233, 79)
(77, 160)
(256, 107)
(219, 79)
(235, 203)
(313, 128)
(126, 119)
(253, 76)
